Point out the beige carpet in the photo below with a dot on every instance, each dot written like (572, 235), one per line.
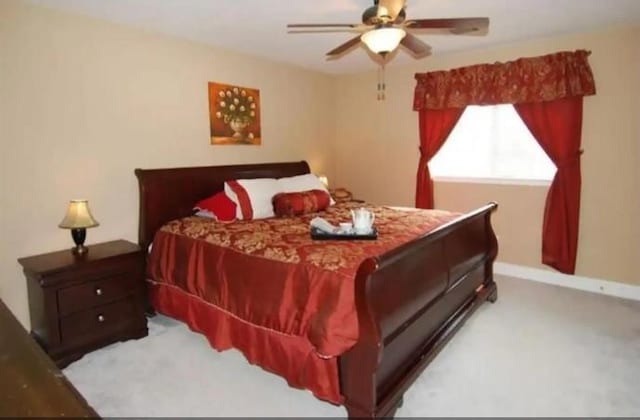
(541, 350)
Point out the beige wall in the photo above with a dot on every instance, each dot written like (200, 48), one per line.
(377, 152)
(84, 102)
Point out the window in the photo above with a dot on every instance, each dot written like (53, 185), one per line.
(492, 143)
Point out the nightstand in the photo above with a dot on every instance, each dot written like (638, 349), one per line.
(81, 303)
(343, 195)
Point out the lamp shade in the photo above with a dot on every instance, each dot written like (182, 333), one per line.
(78, 216)
(383, 40)
(324, 180)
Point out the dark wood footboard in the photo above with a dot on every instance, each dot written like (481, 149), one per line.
(410, 302)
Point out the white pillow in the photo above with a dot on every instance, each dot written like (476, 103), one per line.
(205, 213)
(300, 183)
(252, 197)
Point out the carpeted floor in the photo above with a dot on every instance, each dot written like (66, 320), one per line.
(541, 350)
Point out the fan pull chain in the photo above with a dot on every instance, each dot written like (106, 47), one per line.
(379, 85)
(382, 86)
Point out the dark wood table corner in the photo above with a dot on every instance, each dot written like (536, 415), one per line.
(31, 385)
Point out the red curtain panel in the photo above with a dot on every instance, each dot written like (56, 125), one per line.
(547, 92)
(435, 127)
(557, 126)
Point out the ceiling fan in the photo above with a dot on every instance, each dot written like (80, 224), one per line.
(385, 26)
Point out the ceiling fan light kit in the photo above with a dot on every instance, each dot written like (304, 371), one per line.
(383, 40)
(384, 27)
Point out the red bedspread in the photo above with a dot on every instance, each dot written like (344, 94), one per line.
(272, 275)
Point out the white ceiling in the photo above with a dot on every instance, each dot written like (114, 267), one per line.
(258, 27)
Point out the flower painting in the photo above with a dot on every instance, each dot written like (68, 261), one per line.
(234, 114)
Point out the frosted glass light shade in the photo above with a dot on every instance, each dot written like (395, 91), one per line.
(383, 40)
(78, 216)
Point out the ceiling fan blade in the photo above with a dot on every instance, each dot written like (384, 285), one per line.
(418, 48)
(323, 25)
(310, 28)
(394, 7)
(344, 47)
(456, 25)
(323, 31)
(470, 30)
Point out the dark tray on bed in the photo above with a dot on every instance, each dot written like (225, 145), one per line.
(319, 235)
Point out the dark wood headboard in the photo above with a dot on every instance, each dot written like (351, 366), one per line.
(168, 194)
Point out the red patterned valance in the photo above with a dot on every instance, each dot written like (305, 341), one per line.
(526, 80)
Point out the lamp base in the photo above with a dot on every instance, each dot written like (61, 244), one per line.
(79, 235)
(79, 250)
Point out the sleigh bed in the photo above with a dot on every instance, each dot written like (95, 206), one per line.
(407, 302)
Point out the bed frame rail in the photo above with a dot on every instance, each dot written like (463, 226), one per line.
(410, 302)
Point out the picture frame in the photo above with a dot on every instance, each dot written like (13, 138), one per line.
(234, 115)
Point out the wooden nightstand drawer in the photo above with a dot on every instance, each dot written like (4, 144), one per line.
(98, 292)
(99, 321)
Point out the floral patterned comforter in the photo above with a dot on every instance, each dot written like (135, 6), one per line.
(271, 274)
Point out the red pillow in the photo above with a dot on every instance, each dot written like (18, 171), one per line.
(218, 206)
(297, 203)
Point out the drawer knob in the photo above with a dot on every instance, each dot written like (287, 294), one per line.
(100, 318)
(98, 291)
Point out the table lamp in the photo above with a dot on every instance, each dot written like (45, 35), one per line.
(324, 180)
(78, 218)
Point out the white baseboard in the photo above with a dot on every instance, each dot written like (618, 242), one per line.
(588, 284)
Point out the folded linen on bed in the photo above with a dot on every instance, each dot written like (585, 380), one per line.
(271, 274)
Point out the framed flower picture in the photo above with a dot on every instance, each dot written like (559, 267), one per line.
(234, 114)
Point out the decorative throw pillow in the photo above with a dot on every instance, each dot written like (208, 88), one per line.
(300, 183)
(218, 207)
(252, 197)
(297, 203)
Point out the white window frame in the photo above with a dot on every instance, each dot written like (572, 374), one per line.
(492, 180)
